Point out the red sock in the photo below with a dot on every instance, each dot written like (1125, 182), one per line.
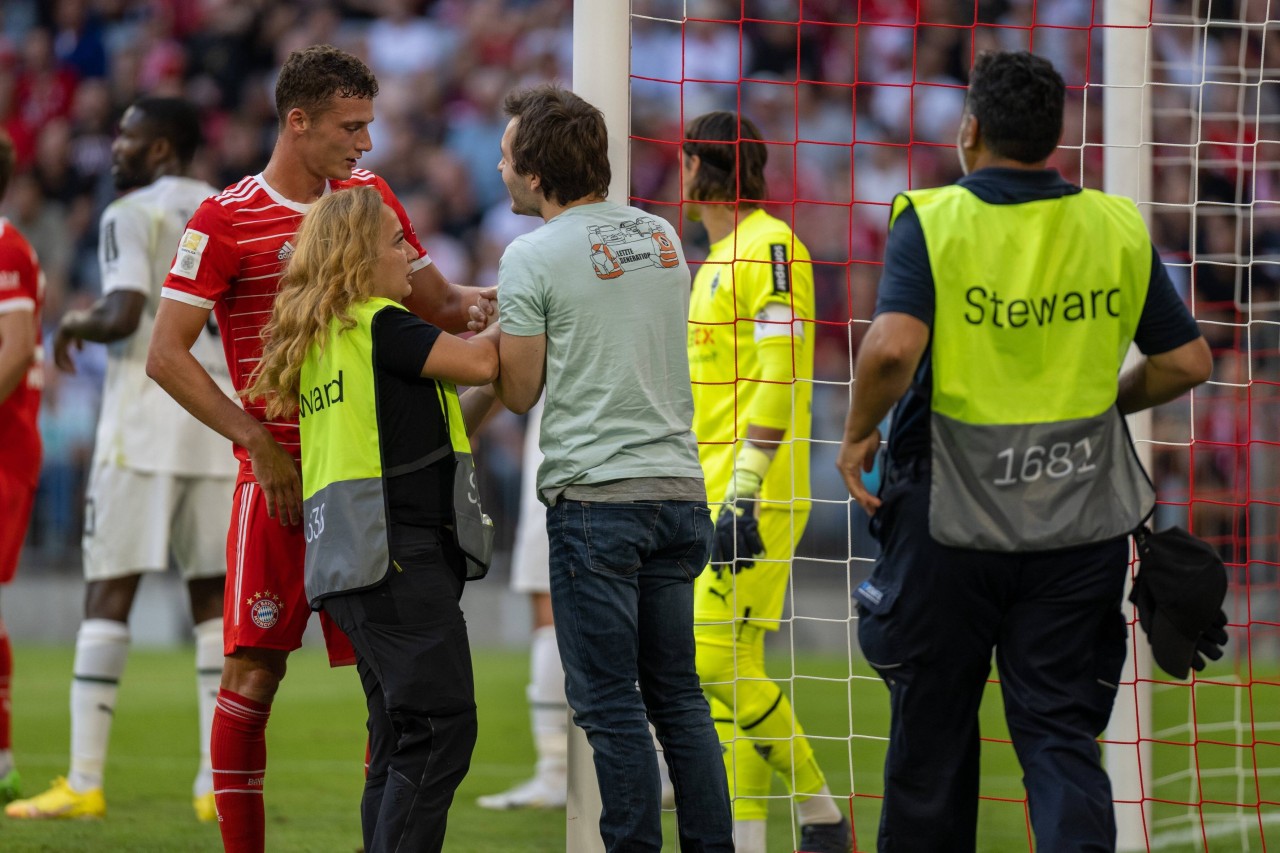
(238, 749)
(6, 675)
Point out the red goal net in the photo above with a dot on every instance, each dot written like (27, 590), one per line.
(859, 100)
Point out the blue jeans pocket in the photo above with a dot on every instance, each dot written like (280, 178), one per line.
(618, 535)
(699, 553)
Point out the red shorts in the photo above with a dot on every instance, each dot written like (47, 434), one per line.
(265, 606)
(17, 496)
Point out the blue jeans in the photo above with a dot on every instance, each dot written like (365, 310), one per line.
(622, 594)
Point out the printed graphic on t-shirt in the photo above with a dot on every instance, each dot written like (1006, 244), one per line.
(639, 243)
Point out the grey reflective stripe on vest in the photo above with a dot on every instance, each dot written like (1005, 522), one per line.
(473, 530)
(345, 526)
(1035, 487)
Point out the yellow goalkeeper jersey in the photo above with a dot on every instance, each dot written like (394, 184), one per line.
(754, 292)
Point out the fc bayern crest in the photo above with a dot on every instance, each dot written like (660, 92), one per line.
(264, 608)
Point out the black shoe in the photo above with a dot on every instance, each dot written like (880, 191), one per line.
(826, 837)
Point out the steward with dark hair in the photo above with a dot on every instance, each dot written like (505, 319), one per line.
(1006, 308)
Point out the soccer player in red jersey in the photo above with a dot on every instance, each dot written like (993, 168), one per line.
(21, 294)
(229, 262)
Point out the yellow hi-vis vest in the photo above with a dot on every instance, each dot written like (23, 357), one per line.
(344, 505)
(1036, 306)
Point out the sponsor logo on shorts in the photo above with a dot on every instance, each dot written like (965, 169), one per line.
(264, 608)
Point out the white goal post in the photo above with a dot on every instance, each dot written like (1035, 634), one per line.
(602, 76)
(1127, 171)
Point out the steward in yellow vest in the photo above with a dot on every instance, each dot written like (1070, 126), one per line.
(1028, 450)
(353, 470)
(391, 515)
(1007, 305)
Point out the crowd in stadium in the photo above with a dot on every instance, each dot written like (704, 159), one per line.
(854, 104)
(68, 68)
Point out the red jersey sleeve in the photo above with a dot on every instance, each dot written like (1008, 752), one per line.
(410, 236)
(16, 265)
(17, 277)
(207, 259)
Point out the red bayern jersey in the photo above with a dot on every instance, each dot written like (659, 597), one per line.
(21, 289)
(230, 260)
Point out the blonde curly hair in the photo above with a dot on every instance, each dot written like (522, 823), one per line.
(331, 269)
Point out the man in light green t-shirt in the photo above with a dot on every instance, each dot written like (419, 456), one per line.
(594, 305)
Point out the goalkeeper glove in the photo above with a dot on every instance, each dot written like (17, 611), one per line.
(1209, 644)
(737, 537)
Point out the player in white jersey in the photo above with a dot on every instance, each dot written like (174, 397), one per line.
(161, 482)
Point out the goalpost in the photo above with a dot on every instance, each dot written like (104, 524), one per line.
(1174, 104)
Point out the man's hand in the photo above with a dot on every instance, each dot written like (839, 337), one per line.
(277, 474)
(854, 458)
(485, 311)
(64, 340)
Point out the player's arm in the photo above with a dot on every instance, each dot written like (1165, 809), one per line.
(448, 305)
(433, 298)
(768, 283)
(171, 364)
(765, 286)
(522, 370)
(112, 318)
(17, 348)
(478, 404)
(768, 417)
(125, 255)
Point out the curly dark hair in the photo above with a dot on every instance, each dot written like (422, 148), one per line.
(174, 119)
(1017, 98)
(732, 158)
(313, 75)
(562, 139)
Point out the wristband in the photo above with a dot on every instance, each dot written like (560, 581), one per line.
(749, 468)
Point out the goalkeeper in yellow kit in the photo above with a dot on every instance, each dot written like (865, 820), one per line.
(751, 360)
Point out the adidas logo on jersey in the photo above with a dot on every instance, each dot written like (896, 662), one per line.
(286, 251)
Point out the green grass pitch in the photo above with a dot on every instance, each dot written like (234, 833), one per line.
(316, 749)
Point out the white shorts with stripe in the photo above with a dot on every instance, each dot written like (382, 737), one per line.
(134, 521)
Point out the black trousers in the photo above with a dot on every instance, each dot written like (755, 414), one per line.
(929, 618)
(414, 663)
